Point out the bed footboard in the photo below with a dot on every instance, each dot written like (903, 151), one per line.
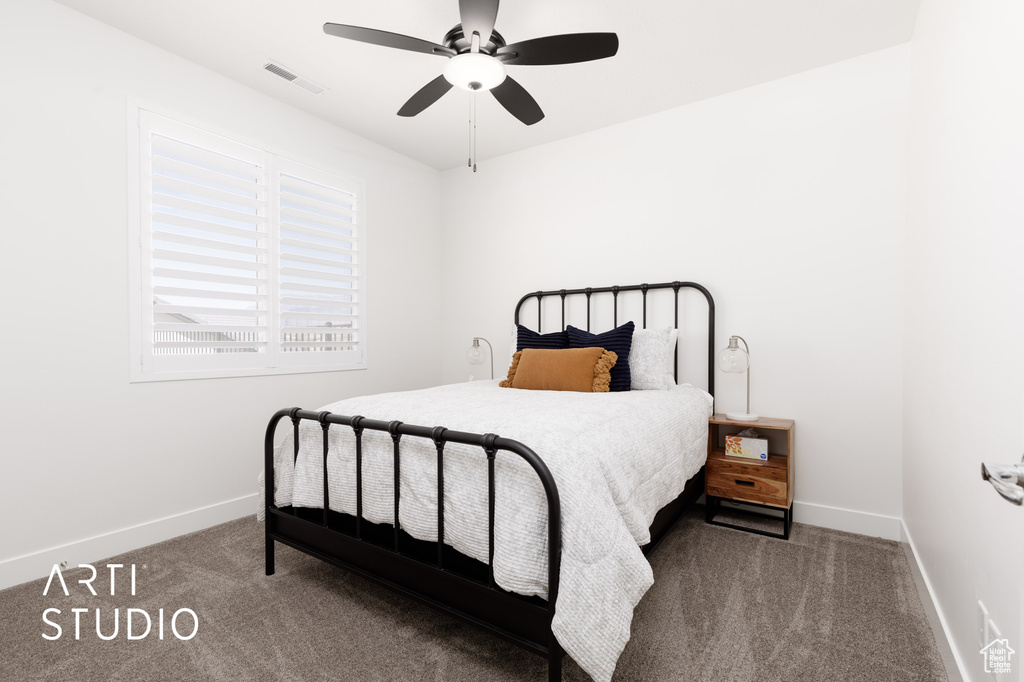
(433, 573)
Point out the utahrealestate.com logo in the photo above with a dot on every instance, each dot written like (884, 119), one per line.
(997, 656)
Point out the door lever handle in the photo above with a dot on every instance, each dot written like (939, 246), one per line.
(1007, 480)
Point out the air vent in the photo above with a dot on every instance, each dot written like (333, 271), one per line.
(309, 85)
(294, 78)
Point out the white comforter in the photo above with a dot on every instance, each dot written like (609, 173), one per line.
(617, 458)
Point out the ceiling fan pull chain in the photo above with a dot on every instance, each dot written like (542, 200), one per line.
(474, 131)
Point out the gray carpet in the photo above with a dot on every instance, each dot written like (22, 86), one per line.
(726, 605)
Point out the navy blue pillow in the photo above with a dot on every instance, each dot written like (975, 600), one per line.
(527, 338)
(618, 340)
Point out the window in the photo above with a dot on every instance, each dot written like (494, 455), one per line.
(245, 262)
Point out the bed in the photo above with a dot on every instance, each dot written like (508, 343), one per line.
(538, 535)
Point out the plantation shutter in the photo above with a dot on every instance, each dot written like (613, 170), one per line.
(207, 242)
(319, 269)
(248, 263)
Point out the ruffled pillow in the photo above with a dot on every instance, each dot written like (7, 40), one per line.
(586, 370)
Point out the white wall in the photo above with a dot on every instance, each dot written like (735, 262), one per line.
(786, 200)
(964, 363)
(85, 453)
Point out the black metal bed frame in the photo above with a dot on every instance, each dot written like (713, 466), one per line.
(433, 572)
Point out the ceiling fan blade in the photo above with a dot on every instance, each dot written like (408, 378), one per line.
(386, 39)
(478, 17)
(514, 97)
(425, 96)
(562, 49)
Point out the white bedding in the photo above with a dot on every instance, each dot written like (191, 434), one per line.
(617, 458)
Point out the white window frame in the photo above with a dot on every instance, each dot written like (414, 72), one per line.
(144, 366)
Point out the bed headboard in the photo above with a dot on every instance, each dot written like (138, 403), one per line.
(644, 290)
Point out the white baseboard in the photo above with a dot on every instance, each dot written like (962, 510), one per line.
(918, 568)
(864, 523)
(90, 550)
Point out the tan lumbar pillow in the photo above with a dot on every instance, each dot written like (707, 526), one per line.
(564, 369)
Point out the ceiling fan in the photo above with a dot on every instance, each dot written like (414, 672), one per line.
(478, 56)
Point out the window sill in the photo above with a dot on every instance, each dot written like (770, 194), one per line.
(139, 377)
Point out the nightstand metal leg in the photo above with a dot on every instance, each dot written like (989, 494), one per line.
(713, 505)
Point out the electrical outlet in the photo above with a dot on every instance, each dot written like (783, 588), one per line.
(983, 622)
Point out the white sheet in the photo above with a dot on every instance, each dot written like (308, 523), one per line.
(617, 458)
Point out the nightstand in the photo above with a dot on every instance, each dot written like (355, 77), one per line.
(759, 483)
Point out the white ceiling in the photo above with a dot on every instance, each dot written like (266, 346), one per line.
(671, 53)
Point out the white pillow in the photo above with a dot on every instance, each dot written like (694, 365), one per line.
(651, 359)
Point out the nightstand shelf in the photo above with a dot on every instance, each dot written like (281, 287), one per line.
(760, 483)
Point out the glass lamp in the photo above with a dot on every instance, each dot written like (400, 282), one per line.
(475, 354)
(736, 360)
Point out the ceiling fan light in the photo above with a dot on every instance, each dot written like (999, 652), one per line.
(474, 71)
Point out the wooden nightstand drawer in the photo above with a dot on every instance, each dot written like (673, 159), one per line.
(735, 479)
